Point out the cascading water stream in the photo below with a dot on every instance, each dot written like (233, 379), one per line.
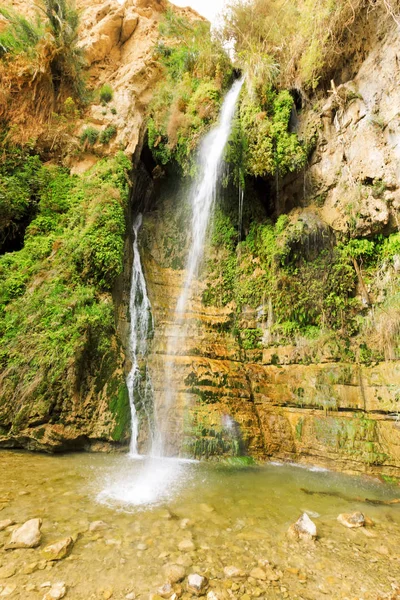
(140, 330)
(202, 198)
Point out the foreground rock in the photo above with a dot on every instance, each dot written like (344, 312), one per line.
(233, 572)
(174, 573)
(58, 550)
(352, 520)
(26, 536)
(197, 583)
(6, 523)
(303, 529)
(56, 592)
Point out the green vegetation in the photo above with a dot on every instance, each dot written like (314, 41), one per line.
(57, 326)
(106, 93)
(40, 61)
(21, 35)
(89, 136)
(197, 71)
(293, 44)
(261, 144)
(107, 135)
(309, 282)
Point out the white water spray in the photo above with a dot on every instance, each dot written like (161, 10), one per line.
(204, 190)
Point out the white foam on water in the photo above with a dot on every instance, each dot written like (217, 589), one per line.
(144, 481)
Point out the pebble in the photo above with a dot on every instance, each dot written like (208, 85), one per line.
(58, 550)
(56, 592)
(7, 571)
(174, 573)
(258, 573)
(233, 572)
(165, 591)
(352, 520)
(6, 523)
(196, 583)
(98, 526)
(206, 508)
(130, 596)
(8, 590)
(186, 546)
(303, 529)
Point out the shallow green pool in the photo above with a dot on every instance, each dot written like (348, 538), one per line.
(233, 517)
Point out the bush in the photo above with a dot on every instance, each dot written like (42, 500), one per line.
(186, 103)
(108, 133)
(55, 307)
(20, 35)
(106, 93)
(89, 136)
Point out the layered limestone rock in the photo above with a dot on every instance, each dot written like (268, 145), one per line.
(342, 415)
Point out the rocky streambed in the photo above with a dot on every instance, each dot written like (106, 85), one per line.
(89, 527)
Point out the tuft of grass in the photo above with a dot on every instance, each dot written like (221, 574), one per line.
(106, 93)
(89, 136)
(107, 135)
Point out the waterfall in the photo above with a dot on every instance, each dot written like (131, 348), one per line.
(158, 476)
(138, 383)
(202, 198)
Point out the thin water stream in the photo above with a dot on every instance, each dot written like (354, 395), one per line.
(138, 381)
(209, 518)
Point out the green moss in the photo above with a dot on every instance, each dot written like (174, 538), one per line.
(120, 409)
(57, 329)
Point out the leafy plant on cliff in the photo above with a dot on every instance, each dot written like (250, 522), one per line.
(262, 144)
(57, 328)
(197, 71)
(40, 66)
(294, 44)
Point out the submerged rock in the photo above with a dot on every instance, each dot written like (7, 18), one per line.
(26, 536)
(303, 529)
(98, 526)
(56, 592)
(58, 550)
(165, 591)
(197, 583)
(352, 520)
(7, 571)
(174, 573)
(6, 523)
(233, 572)
(8, 590)
(186, 546)
(258, 573)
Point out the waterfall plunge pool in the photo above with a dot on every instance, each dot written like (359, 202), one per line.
(204, 517)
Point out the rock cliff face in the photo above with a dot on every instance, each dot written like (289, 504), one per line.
(271, 402)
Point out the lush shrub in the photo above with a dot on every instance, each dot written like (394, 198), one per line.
(55, 305)
(107, 135)
(197, 71)
(89, 136)
(106, 93)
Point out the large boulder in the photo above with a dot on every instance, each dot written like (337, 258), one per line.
(26, 536)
